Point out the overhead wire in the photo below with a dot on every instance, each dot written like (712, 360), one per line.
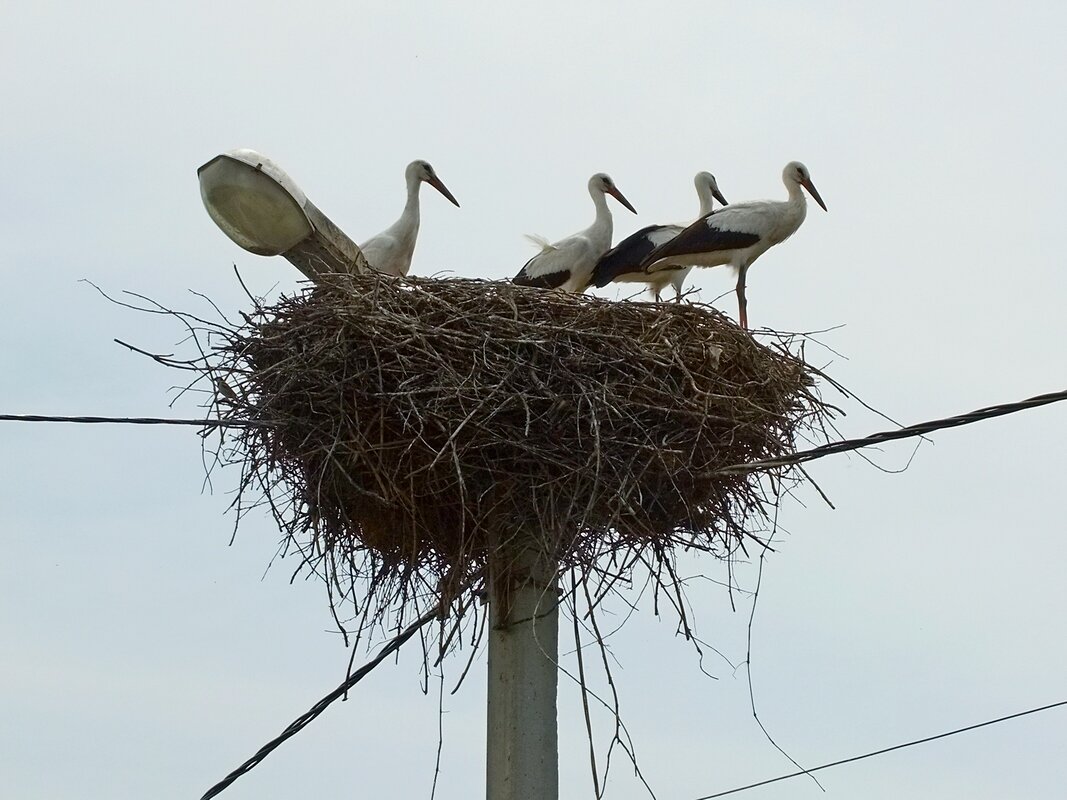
(885, 750)
(907, 432)
(799, 457)
(309, 716)
(91, 420)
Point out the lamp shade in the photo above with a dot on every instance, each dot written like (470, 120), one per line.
(254, 202)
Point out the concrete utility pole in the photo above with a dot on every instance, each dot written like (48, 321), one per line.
(522, 758)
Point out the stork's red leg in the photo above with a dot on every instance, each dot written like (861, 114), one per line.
(742, 303)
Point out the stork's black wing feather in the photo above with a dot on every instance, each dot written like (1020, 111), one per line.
(625, 257)
(703, 236)
(549, 280)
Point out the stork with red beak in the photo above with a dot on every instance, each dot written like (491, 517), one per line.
(391, 250)
(739, 234)
(568, 264)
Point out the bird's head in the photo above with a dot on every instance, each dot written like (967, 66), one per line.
(797, 173)
(705, 181)
(423, 171)
(602, 182)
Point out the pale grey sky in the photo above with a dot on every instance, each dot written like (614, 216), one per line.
(145, 658)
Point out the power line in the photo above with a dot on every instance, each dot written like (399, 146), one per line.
(309, 716)
(907, 432)
(84, 420)
(800, 457)
(884, 750)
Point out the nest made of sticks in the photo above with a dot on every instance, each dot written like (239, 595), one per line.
(413, 427)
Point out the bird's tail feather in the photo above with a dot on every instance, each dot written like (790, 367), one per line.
(540, 241)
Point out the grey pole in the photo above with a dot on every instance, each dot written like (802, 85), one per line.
(522, 750)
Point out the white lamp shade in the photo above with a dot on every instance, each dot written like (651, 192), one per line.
(254, 202)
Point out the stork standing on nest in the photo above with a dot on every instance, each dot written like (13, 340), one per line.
(622, 263)
(568, 264)
(391, 250)
(739, 234)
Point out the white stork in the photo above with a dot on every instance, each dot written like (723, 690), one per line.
(568, 263)
(391, 250)
(739, 234)
(622, 263)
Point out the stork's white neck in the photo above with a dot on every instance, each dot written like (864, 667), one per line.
(599, 200)
(790, 214)
(411, 208)
(406, 229)
(796, 193)
(707, 199)
(602, 224)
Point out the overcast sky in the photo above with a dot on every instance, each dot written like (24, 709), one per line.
(144, 657)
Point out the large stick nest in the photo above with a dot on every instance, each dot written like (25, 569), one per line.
(416, 426)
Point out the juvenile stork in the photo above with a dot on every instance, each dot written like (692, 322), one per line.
(568, 264)
(391, 250)
(739, 234)
(622, 263)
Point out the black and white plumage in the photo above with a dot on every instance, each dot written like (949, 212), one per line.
(739, 234)
(391, 250)
(568, 263)
(622, 263)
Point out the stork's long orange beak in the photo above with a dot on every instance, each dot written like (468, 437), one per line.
(614, 192)
(435, 182)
